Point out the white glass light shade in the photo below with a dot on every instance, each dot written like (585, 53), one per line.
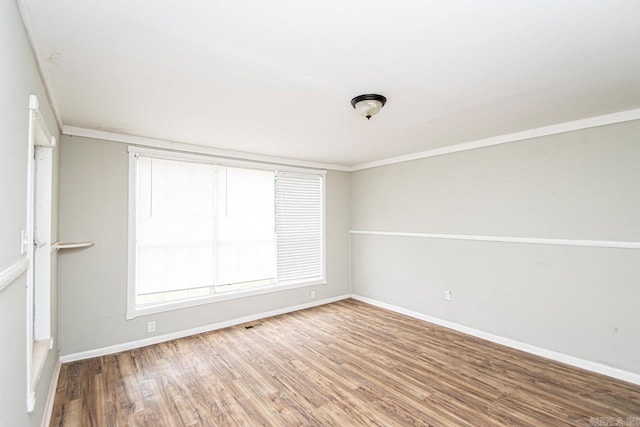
(369, 104)
(369, 107)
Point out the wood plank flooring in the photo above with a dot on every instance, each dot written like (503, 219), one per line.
(344, 364)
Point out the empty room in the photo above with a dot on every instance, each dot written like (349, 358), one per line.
(364, 213)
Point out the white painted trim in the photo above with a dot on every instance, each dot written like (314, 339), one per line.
(31, 401)
(599, 368)
(188, 332)
(71, 245)
(49, 140)
(607, 119)
(192, 148)
(209, 159)
(503, 239)
(51, 396)
(30, 226)
(134, 311)
(131, 235)
(11, 273)
(323, 244)
(39, 170)
(350, 264)
(192, 302)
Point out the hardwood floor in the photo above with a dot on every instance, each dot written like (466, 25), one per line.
(345, 364)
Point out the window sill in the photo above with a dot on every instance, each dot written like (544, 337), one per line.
(39, 353)
(159, 308)
(39, 356)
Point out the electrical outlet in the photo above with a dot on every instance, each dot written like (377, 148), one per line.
(447, 295)
(151, 327)
(313, 294)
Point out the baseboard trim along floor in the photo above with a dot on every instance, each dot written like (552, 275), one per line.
(538, 351)
(348, 363)
(72, 357)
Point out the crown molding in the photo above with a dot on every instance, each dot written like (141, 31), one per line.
(591, 122)
(607, 119)
(192, 148)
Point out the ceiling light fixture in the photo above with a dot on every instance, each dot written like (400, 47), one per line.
(368, 105)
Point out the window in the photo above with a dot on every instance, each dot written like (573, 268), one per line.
(205, 229)
(37, 245)
(299, 233)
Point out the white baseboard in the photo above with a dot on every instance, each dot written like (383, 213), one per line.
(53, 386)
(599, 368)
(188, 332)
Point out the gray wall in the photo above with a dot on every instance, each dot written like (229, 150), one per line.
(93, 201)
(18, 79)
(575, 300)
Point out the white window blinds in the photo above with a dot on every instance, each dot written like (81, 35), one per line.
(175, 227)
(201, 227)
(299, 227)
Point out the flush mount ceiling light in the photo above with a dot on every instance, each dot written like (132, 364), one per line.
(368, 105)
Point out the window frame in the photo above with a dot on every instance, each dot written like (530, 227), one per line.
(134, 311)
(39, 338)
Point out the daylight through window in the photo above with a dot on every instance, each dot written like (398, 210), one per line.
(202, 230)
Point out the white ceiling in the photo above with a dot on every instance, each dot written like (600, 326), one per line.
(276, 77)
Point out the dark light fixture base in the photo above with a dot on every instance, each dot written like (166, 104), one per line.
(369, 104)
(368, 97)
